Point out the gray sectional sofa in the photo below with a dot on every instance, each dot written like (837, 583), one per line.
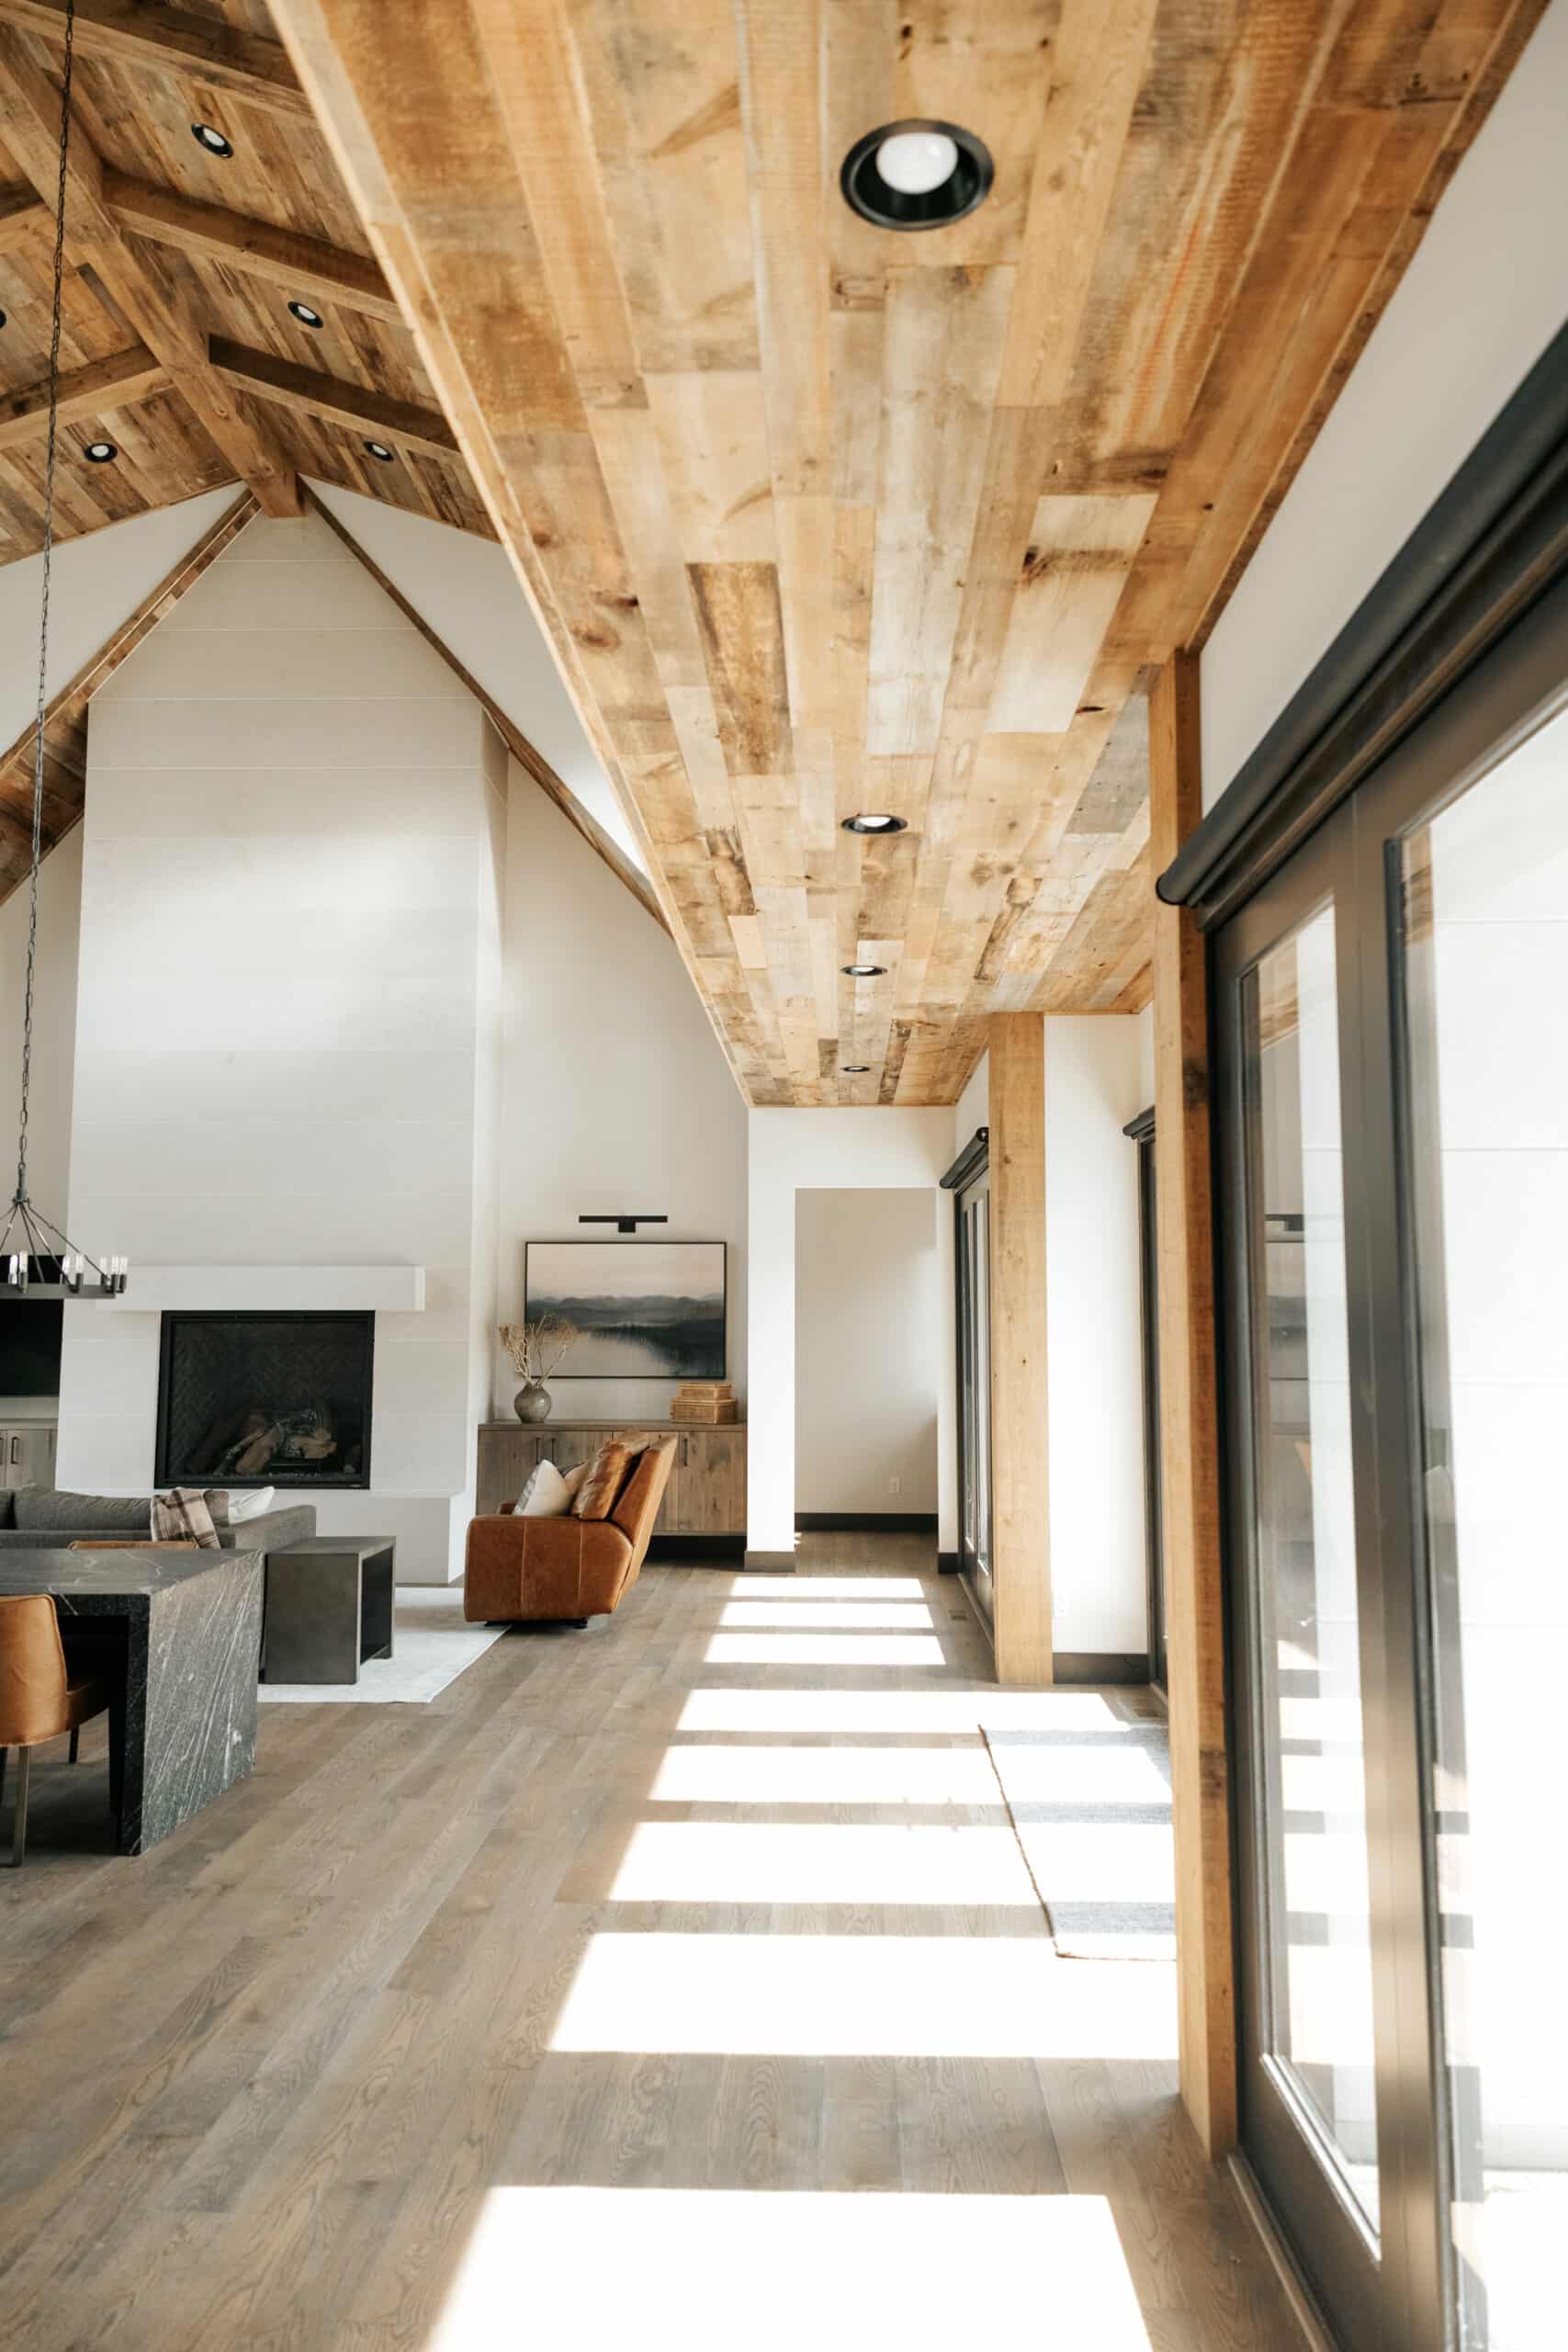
(42, 1519)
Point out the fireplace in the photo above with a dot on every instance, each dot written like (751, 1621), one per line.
(264, 1400)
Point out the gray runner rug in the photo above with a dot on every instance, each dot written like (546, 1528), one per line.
(1090, 1805)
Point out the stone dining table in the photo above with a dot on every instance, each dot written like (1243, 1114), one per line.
(181, 1636)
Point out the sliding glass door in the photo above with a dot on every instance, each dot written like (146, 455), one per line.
(1394, 1194)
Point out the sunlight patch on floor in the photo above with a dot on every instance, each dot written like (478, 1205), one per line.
(870, 1713)
(852, 1863)
(840, 1616)
(824, 1649)
(868, 1996)
(603, 2269)
(724, 1775)
(805, 1587)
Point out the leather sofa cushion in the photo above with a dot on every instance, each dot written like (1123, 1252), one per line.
(608, 1475)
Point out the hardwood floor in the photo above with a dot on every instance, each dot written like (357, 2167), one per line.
(465, 2025)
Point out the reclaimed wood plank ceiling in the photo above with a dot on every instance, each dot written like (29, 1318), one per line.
(819, 517)
(822, 517)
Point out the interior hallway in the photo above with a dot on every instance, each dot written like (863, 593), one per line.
(479, 2023)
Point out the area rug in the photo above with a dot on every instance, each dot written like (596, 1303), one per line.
(1090, 1805)
(432, 1646)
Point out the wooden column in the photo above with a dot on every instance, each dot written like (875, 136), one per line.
(1020, 1559)
(1189, 1437)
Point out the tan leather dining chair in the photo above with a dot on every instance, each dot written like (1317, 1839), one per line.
(37, 1699)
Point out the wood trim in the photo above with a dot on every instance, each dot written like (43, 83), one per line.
(118, 381)
(300, 265)
(1190, 1440)
(29, 126)
(1020, 1535)
(65, 717)
(167, 41)
(269, 378)
(533, 761)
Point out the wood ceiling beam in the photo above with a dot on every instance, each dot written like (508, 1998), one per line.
(361, 410)
(23, 214)
(303, 266)
(118, 381)
(154, 40)
(532, 761)
(65, 719)
(30, 123)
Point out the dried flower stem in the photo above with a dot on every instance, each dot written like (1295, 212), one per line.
(534, 1348)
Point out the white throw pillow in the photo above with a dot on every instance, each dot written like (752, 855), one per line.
(249, 1502)
(545, 1495)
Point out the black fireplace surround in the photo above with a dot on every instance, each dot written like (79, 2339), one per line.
(264, 1400)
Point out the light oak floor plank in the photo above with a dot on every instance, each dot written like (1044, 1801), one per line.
(268, 2082)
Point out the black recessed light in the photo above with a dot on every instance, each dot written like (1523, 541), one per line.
(101, 453)
(915, 175)
(874, 823)
(213, 141)
(379, 450)
(862, 972)
(855, 1070)
(306, 316)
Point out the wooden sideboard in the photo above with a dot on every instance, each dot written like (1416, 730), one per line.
(707, 1494)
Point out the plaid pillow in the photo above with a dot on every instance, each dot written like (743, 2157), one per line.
(182, 1513)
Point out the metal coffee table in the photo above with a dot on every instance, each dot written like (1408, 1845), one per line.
(328, 1607)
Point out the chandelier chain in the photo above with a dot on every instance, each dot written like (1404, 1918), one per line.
(43, 618)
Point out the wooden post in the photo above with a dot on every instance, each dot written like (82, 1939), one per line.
(1189, 1437)
(1021, 1563)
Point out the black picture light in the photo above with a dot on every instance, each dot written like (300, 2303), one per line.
(624, 1223)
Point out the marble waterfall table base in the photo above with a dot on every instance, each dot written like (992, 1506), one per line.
(191, 1626)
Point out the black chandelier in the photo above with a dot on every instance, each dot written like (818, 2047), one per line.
(37, 1259)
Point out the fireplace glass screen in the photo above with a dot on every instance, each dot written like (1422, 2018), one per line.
(264, 1400)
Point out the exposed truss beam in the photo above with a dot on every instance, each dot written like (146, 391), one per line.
(516, 742)
(271, 379)
(30, 123)
(119, 381)
(154, 40)
(65, 721)
(300, 265)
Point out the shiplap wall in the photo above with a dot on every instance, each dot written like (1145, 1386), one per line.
(287, 1030)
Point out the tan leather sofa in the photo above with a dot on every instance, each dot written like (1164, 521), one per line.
(564, 1570)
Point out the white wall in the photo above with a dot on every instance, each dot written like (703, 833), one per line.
(869, 1331)
(1094, 1084)
(467, 592)
(617, 1092)
(95, 584)
(1484, 295)
(793, 1150)
(972, 1109)
(288, 915)
(54, 1024)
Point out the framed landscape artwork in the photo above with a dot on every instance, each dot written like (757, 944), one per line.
(646, 1310)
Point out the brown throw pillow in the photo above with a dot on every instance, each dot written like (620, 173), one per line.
(607, 1473)
(182, 1515)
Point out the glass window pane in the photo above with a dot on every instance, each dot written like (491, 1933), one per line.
(1316, 1959)
(1486, 951)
